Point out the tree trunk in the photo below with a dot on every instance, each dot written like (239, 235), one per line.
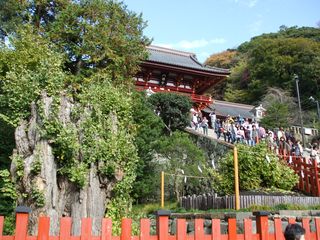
(48, 193)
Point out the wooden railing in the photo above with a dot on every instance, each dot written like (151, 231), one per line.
(261, 233)
(308, 171)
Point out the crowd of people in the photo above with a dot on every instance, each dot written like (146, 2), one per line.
(247, 131)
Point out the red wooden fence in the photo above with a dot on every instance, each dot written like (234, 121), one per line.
(262, 232)
(307, 170)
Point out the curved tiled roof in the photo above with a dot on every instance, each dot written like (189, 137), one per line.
(224, 108)
(180, 59)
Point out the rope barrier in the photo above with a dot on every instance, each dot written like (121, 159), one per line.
(180, 175)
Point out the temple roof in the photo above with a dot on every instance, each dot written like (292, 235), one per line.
(180, 59)
(223, 108)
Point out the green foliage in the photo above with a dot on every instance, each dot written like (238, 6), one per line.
(282, 111)
(270, 60)
(26, 69)
(277, 114)
(225, 59)
(286, 206)
(237, 83)
(19, 166)
(6, 144)
(7, 187)
(180, 156)
(173, 109)
(38, 197)
(8, 197)
(149, 129)
(255, 171)
(81, 50)
(101, 32)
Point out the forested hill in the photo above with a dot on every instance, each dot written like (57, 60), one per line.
(271, 60)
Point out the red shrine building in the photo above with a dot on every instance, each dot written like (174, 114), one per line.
(168, 70)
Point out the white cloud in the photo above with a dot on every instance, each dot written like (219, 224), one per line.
(252, 3)
(248, 3)
(186, 44)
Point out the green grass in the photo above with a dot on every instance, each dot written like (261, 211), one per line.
(150, 208)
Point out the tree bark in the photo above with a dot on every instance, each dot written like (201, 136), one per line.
(61, 197)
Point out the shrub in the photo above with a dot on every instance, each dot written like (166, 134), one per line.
(258, 168)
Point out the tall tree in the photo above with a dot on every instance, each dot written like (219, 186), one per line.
(271, 60)
(173, 109)
(282, 110)
(65, 88)
(225, 59)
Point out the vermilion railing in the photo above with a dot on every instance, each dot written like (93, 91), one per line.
(307, 170)
(194, 97)
(261, 233)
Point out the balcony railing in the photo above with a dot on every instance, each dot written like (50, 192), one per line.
(203, 99)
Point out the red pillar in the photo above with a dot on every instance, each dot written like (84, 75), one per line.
(162, 224)
(22, 216)
(262, 224)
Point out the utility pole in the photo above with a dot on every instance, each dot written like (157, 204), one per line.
(317, 102)
(296, 78)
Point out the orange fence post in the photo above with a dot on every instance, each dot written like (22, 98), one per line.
(125, 229)
(181, 229)
(22, 215)
(317, 223)
(65, 228)
(86, 228)
(106, 229)
(43, 228)
(162, 224)
(1, 226)
(144, 229)
(278, 229)
(232, 228)
(216, 229)
(198, 229)
(262, 224)
(292, 220)
(306, 226)
(248, 229)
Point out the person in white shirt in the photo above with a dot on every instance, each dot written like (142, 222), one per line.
(314, 154)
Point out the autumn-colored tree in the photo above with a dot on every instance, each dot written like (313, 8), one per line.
(225, 59)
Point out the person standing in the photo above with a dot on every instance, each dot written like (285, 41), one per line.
(205, 125)
(213, 118)
(298, 149)
(255, 135)
(314, 154)
(217, 128)
(195, 121)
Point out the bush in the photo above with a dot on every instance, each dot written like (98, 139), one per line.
(258, 168)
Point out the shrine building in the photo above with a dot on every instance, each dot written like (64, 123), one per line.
(168, 70)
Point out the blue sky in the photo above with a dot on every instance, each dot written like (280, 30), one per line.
(205, 27)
